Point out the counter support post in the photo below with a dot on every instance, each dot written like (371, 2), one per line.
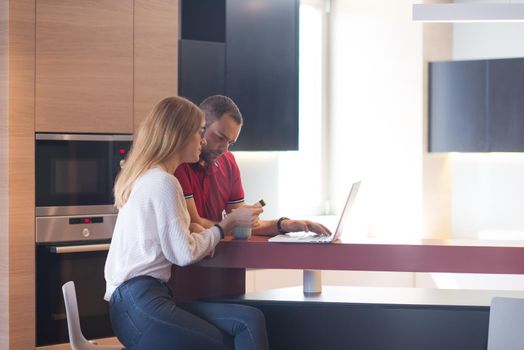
(312, 282)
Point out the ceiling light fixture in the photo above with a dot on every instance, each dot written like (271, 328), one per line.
(469, 12)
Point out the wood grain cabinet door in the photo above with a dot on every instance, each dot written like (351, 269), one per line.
(84, 66)
(156, 54)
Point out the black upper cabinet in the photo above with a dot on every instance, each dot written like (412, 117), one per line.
(202, 49)
(506, 105)
(201, 69)
(457, 114)
(260, 66)
(262, 71)
(476, 106)
(203, 20)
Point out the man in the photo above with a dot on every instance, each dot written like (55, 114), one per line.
(214, 184)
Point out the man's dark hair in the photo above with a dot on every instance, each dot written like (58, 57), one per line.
(216, 106)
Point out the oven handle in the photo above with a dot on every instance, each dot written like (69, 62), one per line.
(79, 248)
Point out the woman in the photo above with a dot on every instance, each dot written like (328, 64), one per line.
(152, 233)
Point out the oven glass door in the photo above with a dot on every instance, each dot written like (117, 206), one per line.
(77, 172)
(86, 269)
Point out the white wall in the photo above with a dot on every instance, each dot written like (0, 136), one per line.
(487, 40)
(268, 279)
(487, 193)
(376, 105)
(487, 189)
(260, 180)
(469, 281)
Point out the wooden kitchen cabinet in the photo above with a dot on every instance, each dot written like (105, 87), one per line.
(156, 52)
(84, 66)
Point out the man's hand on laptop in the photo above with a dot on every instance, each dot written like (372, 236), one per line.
(305, 225)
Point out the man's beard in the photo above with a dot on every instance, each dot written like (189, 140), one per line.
(209, 157)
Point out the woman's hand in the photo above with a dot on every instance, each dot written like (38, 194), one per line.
(304, 225)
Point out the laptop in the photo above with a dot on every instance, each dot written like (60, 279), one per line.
(309, 237)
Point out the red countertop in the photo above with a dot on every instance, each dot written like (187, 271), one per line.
(456, 256)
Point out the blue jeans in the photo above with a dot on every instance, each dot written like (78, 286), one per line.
(145, 316)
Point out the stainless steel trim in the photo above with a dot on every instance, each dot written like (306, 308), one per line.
(51, 229)
(80, 248)
(83, 137)
(76, 210)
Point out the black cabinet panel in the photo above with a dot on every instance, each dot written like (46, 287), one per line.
(257, 66)
(201, 69)
(506, 105)
(262, 71)
(203, 20)
(458, 106)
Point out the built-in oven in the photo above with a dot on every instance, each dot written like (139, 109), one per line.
(75, 219)
(58, 264)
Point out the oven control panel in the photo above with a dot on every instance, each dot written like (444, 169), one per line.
(86, 220)
(74, 228)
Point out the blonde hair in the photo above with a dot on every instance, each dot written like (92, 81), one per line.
(163, 133)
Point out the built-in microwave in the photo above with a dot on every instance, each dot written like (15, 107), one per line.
(77, 170)
(75, 174)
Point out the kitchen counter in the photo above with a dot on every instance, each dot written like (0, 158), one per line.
(456, 256)
(224, 274)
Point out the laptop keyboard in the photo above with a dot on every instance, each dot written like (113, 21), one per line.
(316, 238)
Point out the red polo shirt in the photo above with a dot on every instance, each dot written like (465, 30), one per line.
(213, 186)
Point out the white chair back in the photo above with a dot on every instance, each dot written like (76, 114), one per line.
(506, 324)
(76, 338)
